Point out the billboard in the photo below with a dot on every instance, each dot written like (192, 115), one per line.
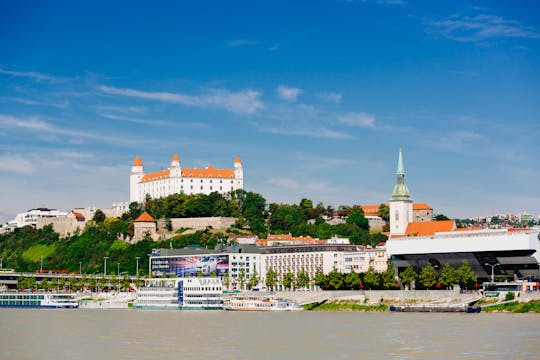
(190, 265)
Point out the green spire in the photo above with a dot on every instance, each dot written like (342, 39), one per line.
(401, 191)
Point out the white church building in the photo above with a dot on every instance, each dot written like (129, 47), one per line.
(180, 180)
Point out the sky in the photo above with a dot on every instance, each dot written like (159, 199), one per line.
(316, 97)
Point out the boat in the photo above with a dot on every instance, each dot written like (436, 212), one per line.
(453, 309)
(257, 303)
(38, 300)
(180, 294)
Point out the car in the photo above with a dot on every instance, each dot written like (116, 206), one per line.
(207, 265)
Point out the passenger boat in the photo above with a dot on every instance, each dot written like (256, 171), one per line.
(257, 303)
(38, 300)
(180, 294)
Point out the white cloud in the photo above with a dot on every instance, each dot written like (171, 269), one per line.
(241, 42)
(357, 119)
(245, 101)
(152, 122)
(480, 28)
(331, 97)
(319, 132)
(59, 105)
(15, 164)
(289, 93)
(34, 75)
(275, 47)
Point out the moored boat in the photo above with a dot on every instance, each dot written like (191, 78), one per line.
(256, 303)
(38, 300)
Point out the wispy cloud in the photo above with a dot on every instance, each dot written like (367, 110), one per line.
(321, 162)
(319, 132)
(34, 75)
(289, 93)
(331, 97)
(357, 119)
(480, 28)
(16, 164)
(241, 42)
(275, 47)
(59, 105)
(152, 122)
(245, 101)
(132, 109)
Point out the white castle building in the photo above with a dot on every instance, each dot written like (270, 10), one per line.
(179, 180)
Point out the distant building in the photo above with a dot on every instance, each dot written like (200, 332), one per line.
(178, 179)
(32, 216)
(144, 226)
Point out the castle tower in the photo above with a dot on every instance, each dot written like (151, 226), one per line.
(401, 203)
(137, 172)
(176, 170)
(238, 170)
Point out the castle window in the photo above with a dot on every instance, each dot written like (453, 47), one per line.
(210, 188)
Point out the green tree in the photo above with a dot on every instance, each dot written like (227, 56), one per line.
(253, 279)
(408, 276)
(99, 216)
(384, 212)
(335, 279)
(389, 278)
(465, 275)
(226, 280)
(357, 217)
(45, 284)
(428, 276)
(320, 279)
(242, 278)
(288, 279)
(271, 279)
(302, 279)
(372, 279)
(440, 217)
(448, 276)
(352, 280)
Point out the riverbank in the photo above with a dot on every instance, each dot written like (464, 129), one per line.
(532, 306)
(345, 306)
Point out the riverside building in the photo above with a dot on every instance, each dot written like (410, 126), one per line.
(181, 180)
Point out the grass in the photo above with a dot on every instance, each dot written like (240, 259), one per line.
(345, 307)
(515, 307)
(119, 245)
(34, 253)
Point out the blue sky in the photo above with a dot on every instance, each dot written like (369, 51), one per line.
(315, 97)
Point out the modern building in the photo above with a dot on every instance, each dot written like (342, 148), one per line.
(32, 216)
(178, 179)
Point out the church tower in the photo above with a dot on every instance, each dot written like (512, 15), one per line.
(401, 204)
(176, 170)
(137, 172)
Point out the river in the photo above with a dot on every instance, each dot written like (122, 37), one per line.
(132, 334)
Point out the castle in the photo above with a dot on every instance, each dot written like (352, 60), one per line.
(180, 180)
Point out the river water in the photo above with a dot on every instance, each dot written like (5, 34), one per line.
(137, 334)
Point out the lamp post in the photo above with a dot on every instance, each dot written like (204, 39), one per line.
(493, 271)
(137, 271)
(80, 267)
(118, 269)
(1, 263)
(105, 265)
(41, 264)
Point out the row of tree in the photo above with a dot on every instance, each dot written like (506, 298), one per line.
(76, 284)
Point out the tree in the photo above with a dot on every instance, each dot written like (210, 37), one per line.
(45, 284)
(226, 280)
(357, 217)
(448, 276)
(99, 216)
(440, 217)
(465, 275)
(372, 279)
(352, 280)
(253, 279)
(271, 278)
(320, 279)
(335, 279)
(428, 276)
(389, 278)
(288, 279)
(242, 278)
(408, 276)
(384, 212)
(302, 279)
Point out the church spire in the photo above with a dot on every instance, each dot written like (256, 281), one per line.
(401, 191)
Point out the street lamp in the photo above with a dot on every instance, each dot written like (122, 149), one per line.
(105, 265)
(137, 271)
(1, 263)
(41, 264)
(80, 267)
(493, 271)
(118, 269)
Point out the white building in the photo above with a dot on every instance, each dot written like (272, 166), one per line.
(177, 180)
(31, 217)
